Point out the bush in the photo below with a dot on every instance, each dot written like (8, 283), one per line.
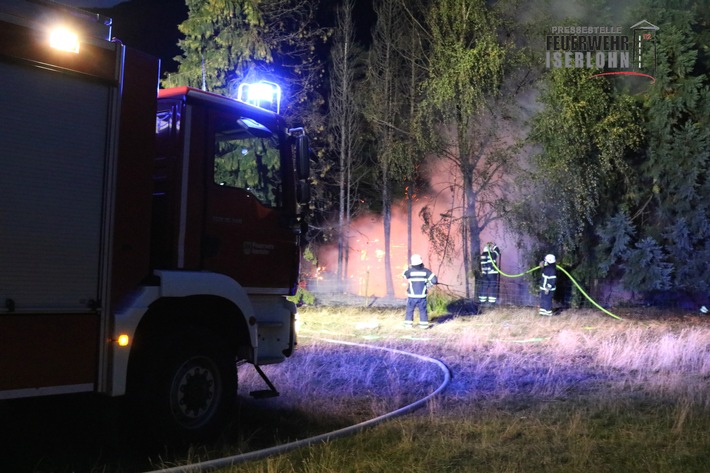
(303, 296)
(438, 300)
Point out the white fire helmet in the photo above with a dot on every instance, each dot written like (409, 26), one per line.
(416, 260)
(550, 259)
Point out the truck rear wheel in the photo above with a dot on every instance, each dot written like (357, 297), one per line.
(190, 386)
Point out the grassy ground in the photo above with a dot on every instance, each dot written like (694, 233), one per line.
(579, 392)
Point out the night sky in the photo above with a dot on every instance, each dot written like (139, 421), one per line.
(151, 25)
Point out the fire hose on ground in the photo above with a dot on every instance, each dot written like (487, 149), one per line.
(587, 296)
(226, 462)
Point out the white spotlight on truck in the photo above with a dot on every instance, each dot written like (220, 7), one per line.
(64, 39)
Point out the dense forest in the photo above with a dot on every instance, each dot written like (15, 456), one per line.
(546, 126)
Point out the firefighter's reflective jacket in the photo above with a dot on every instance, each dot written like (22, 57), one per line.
(549, 277)
(488, 258)
(420, 279)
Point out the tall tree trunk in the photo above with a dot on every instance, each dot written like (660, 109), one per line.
(473, 232)
(412, 159)
(410, 195)
(343, 126)
(384, 67)
(387, 222)
(475, 238)
(342, 239)
(348, 218)
(464, 245)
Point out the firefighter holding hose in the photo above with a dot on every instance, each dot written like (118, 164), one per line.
(490, 257)
(548, 284)
(419, 279)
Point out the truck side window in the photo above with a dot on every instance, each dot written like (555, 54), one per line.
(247, 157)
(163, 122)
(167, 128)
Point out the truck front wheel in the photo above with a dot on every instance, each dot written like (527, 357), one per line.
(191, 386)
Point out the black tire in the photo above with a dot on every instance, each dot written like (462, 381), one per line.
(190, 385)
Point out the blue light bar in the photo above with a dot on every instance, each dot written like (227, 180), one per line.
(262, 94)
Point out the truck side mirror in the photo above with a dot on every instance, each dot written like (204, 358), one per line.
(303, 157)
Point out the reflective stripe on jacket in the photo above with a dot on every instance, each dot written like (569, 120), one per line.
(487, 260)
(549, 277)
(419, 279)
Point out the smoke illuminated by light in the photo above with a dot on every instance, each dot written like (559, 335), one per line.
(366, 266)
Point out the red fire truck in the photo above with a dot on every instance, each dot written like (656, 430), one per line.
(148, 238)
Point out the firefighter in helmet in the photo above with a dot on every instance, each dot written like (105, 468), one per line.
(548, 284)
(419, 279)
(490, 257)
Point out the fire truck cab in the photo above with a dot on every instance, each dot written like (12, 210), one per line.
(148, 238)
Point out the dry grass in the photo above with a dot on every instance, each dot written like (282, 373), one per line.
(580, 392)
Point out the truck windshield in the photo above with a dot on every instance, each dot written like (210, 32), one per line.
(247, 157)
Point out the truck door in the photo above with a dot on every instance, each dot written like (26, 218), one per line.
(245, 233)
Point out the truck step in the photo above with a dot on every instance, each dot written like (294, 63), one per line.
(263, 394)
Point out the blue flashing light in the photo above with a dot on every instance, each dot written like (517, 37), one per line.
(262, 94)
